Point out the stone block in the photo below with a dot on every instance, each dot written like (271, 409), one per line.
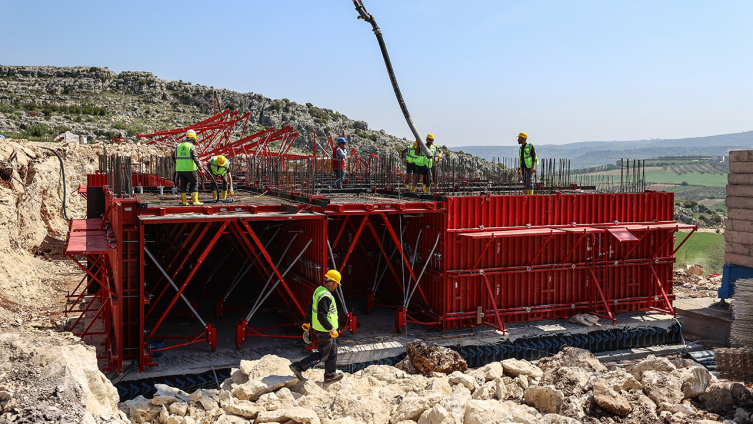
(739, 202)
(739, 225)
(740, 190)
(741, 156)
(740, 179)
(737, 248)
(738, 237)
(736, 213)
(741, 167)
(737, 259)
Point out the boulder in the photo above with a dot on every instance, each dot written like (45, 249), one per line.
(455, 403)
(487, 391)
(680, 408)
(231, 419)
(439, 415)
(717, 400)
(413, 406)
(235, 406)
(741, 415)
(619, 379)
(520, 413)
(491, 371)
(485, 412)
(515, 367)
(428, 358)
(694, 380)
(144, 412)
(162, 400)
(556, 419)
(270, 373)
(163, 414)
(407, 366)
(440, 385)
(515, 387)
(642, 406)
(466, 380)
(500, 389)
(367, 409)
(208, 403)
(662, 387)
(651, 363)
(384, 373)
(740, 394)
(572, 381)
(572, 357)
(167, 391)
(609, 399)
(297, 414)
(174, 419)
(178, 408)
(546, 399)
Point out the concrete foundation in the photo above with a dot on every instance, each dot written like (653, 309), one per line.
(703, 321)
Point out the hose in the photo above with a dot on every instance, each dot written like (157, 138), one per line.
(62, 170)
(363, 14)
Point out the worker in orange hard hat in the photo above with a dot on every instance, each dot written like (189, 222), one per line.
(321, 316)
(528, 162)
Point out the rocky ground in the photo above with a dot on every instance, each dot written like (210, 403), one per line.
(690, 283)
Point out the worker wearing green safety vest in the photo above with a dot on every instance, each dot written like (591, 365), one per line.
(322, 316)
(425, 164)
(409, 157)
(219, 167)
(186, 166)
(528, 162)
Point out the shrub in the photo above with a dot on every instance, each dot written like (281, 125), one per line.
(119, 125)
(275, 105)
(318, 114)
(134, 129)
(6, 108)
(684, 183)
(37, 130)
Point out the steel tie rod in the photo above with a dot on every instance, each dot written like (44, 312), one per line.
(379, 262)
(392, 255)
(239, 278)
(279, 261)
(412, 264)
(418, 279)
(253, 311)
(193, 311)
(339, 289)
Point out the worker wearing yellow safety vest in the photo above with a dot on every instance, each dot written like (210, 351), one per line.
(187, 166)
(321, 316)
(528, 162)
(219, 167)
(424, 165)
(409, 157)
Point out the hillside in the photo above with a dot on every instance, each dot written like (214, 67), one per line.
(39, 102)
(594, 153)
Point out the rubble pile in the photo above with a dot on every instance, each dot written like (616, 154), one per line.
(570, 387)
(690, 282)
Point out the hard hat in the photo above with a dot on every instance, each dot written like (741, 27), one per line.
(430, 136)
(524, 135)
(333, 275)
(341, 140)
(221, 160)
(191, 134)
(307, 337)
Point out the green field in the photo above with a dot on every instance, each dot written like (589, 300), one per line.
(705, 249)
(666, 177)
(681, 188)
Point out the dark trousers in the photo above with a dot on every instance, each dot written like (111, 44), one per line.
(527, 180)
(188, 180)
(339, 178)
(327, 352)
(425, 171)
(225, 180)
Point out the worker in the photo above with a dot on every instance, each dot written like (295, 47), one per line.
(528, 162)
(339, 163)
(424, 164)
(321, 316)
(219, 166)
(436, 154)
(186, 166)
(409, 157)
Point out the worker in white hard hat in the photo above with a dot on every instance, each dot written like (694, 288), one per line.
(321, 316)
(187, 166)
(219, 167)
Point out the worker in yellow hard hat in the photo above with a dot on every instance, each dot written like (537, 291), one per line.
(219, 167)
(187, 166)
(528, 162)
(321, 316)
(425, 164)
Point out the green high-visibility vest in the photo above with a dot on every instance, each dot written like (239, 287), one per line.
(410, 156)
(433, 149)
(320, 292)
(216, 169)
(526, 160)
(183, 161)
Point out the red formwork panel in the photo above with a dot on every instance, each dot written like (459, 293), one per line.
(96, 180)
(308, 272)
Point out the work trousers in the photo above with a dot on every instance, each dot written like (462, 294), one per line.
(225, 180)
(527, 180)
(339, 178)
(425, 171)
(327, 352)
(188, 181)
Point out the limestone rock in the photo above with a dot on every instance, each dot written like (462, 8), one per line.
(651, 363)
(546, 399)
(500, 389)
(428, 358)
(413, 406)
(439, 415)
(619, 379)
(163, 414)
(163, 400)
(384, 373)
(165, 390)
(740, 394)
(455, 403)
(556, 419)
(694, 380)
(662, 387)
(407, 366)
(491, 371)
(515, 367)
(572, 357)
(231, 419)
(572, 381)
(208, 403)
(466, 380)
(234, 406)
(609, 399)
(487, 391)
(174, 419)
(368, 409)
(297, 414)
(178, 408)
(717, 400)
(440, 385)
(642, 406)
(680, 408)
(144, 412)
(485, 412)
(270, 373)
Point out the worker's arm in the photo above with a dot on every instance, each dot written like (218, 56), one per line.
(195, 157)
(175, 153)
(307, 317)
(533, 156)
(230, 181)
(324, 304)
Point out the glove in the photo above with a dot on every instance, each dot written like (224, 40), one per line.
(519, 171)
(203, 173)
(405, 160)
(306, 326)
(533, 170)
(231, 193)
(333, 333)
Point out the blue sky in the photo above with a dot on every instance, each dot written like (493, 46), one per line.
(472, 72)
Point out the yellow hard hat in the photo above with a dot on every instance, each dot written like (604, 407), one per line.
(191, 134)
(333, 275)
(524, 135)
(415, 144)
(430, 136)
(221, 160)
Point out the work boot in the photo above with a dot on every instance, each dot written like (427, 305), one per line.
(183, 198)
(337, 377)
(297, 371)
(224, 194)
(426, 189)
(195, 199)
(407, 186)
(412, 189)
(214, 195)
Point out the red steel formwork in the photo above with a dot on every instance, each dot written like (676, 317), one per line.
(478, 260)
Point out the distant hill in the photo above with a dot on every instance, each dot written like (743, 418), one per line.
(594, 153)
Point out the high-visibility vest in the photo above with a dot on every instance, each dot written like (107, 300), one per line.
(216, 169)
(320, 292)
(410, 155)
(338, 162)
(183, 161)
(433, 149)
(526, 160)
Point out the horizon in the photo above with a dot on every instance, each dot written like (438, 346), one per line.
(563, 73)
